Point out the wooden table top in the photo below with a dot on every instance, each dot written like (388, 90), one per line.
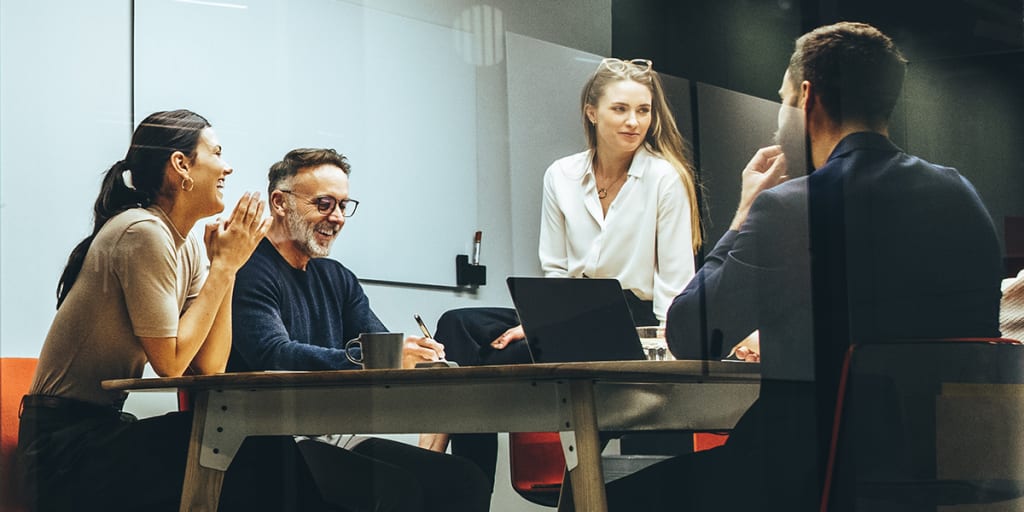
(618, 371)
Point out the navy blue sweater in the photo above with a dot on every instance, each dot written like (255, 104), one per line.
(289, 319)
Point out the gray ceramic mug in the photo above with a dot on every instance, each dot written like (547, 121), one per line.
(379, 350)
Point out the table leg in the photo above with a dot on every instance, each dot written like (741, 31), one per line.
(201, 489)
(587, 477)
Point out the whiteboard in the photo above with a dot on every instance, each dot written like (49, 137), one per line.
(389, 92)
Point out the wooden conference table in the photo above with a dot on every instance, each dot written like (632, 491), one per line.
(576, 399)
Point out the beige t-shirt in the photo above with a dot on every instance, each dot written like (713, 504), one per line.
(137, 279)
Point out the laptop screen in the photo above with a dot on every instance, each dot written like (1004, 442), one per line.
(567, 320)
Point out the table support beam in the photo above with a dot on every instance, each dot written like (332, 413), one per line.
(201, 489)
(587, 476)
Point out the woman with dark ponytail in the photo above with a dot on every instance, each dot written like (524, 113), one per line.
(141, 289)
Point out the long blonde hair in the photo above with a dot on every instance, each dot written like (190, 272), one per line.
(663, 138)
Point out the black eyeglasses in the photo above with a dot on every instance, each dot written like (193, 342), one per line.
(326, 204)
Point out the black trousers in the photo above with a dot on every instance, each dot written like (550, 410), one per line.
(77, 456)
(769, 463)
(379, 474)
(467, 335)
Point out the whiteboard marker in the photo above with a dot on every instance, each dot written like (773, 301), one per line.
(476, 248)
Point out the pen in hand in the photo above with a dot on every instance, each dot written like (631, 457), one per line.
(423, 329)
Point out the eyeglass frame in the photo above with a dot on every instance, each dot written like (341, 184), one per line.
(327, 210)
(643, 65)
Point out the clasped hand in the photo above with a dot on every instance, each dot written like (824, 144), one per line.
(230, 242)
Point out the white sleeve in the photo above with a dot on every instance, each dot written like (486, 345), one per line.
(673, 266)
(552, 248)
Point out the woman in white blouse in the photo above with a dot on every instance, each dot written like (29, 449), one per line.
(625, 208)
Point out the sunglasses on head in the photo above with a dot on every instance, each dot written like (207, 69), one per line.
(619, 65)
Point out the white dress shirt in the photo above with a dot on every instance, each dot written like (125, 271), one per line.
(644, 241)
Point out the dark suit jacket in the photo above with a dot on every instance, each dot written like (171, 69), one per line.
(875, 245)
(907, 246)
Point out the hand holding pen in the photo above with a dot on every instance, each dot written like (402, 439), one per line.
(426, 334)
(419, 351)
(429, 342)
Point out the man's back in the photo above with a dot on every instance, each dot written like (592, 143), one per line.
(874, 245)
(896, 247)
(921, 254)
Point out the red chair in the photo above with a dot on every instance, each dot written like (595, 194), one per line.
(15, 379)
(537, 463)
(708, 440)
(536, 466)
(185, 400)
(927, 423)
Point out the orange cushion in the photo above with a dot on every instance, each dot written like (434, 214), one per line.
(15, 378)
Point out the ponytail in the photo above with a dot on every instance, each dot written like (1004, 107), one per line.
(136, 181)
(115, 197)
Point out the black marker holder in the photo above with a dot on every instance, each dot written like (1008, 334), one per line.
(467, 274)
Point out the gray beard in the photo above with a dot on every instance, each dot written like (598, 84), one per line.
(305, 233)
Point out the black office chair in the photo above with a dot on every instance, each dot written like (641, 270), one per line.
(927, 423)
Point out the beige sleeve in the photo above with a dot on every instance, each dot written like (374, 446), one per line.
(146, 268)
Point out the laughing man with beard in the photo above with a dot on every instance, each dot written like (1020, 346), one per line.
(294, 309)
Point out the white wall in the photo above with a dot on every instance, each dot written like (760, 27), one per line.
(65, 117)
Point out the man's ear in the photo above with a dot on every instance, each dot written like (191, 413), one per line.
(815, 115)
(276, 202)
(806, 102)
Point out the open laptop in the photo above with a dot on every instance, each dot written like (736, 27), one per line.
(568, 320)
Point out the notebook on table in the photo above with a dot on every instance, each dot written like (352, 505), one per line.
(569, 320)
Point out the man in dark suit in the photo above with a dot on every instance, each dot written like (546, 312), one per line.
(874, 244)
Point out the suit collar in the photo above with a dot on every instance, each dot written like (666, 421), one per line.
(862, 140)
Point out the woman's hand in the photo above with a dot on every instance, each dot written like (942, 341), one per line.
(514, 334)
(418, 349)
(230, 242)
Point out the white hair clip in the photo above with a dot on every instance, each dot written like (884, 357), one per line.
(126, 177)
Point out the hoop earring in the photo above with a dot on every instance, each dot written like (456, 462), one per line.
(191, 184)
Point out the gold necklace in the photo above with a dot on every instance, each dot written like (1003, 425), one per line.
(603, 192)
